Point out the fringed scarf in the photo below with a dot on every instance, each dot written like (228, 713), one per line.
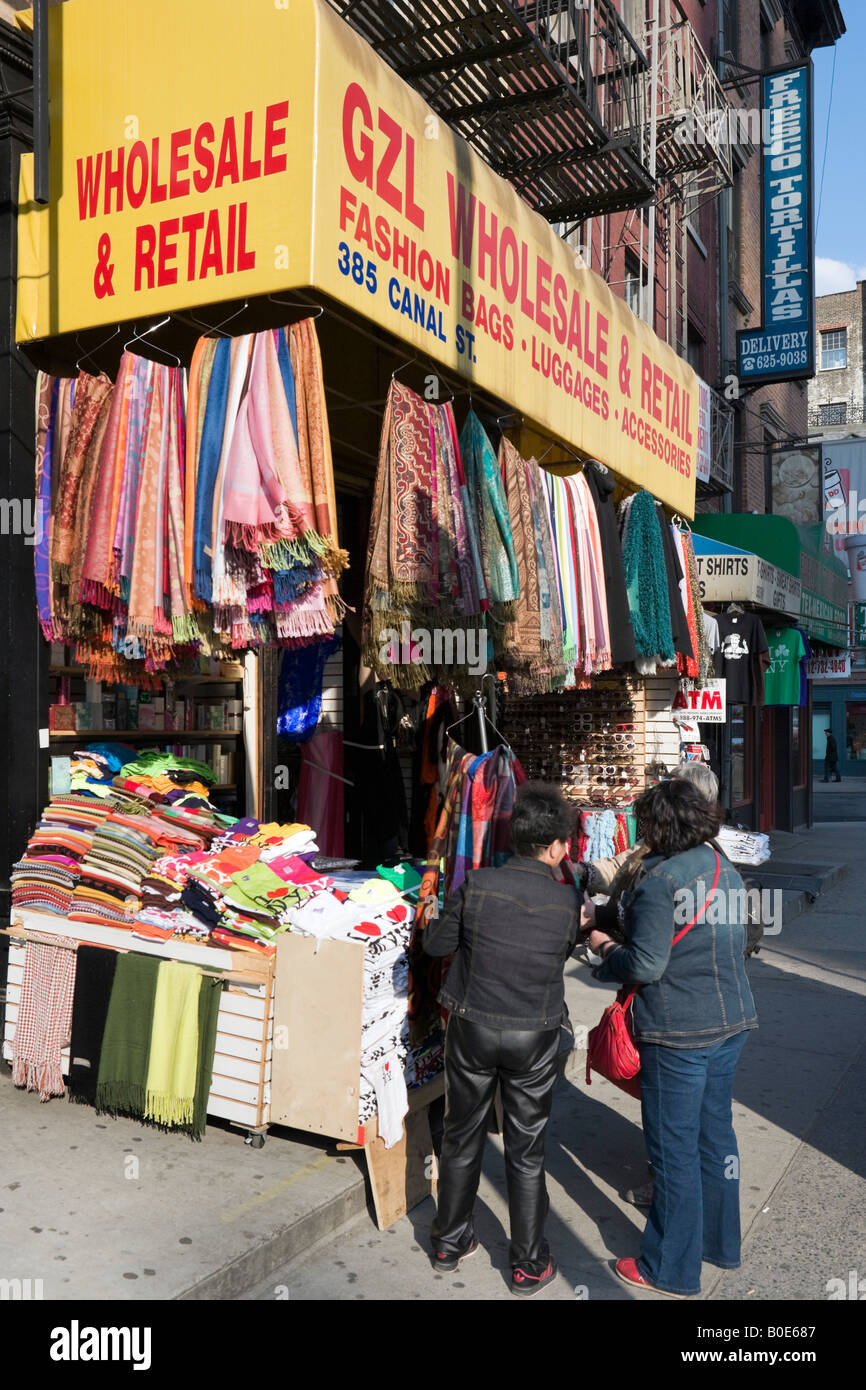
(123, 1061)
(47, 397)
(173, 1053)
(98, 566)
(522, 649)
(696, 611)
(565, 554)
(210, 449)
(89, 419)
(44, 1014)
(646, 582)
(486, 495)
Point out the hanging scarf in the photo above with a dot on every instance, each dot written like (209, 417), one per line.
(44, 1014)
(565, 554)
(470, 593)
(98, 563)
(522, 640)
(207, 467)
(138, 424)
(486, 496)
(403, 542)
(314, 445)
(148, 536)
(209, 998)
(699, 636)
(200, 372)
(94, 976)
(123, 1062)
(548, 590)
(47, 396)
(173, 1053)
(646, 582)
(89, 419)
(184, 627)
(593, 592)
(551, 553)
(227, 591)
(266, 496)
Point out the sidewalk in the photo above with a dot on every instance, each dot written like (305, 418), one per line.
(102, 1209)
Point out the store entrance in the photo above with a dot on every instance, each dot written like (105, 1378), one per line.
(768, 769)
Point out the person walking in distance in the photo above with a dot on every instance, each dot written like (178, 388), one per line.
(512, 929)
(831, 758)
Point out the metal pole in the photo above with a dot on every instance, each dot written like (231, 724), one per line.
(40, 101)
(479, 702)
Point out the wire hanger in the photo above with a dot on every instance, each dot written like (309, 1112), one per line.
(513, 417)
(479, 711)
(415, 361)
(735, 608)
(554, 444)
(298, 304)
(139, 337)
(215, 327)
(93, 351)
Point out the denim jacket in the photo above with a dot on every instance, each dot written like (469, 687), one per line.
(696, 993)
(512, 929)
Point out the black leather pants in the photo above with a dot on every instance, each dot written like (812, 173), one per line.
(525, 1065)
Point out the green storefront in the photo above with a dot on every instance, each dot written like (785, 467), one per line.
(765, 753)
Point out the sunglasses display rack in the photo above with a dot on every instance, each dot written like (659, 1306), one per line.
(590, 742)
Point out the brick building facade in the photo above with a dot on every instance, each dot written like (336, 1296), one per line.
(837, 394)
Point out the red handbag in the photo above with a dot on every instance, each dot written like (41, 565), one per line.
(610, 1047)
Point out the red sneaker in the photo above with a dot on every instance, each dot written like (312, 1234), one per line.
(628, 1272)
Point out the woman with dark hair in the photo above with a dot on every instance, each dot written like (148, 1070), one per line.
(512, 928)
(692, 1012)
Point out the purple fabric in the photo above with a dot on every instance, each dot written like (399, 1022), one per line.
(42, 556)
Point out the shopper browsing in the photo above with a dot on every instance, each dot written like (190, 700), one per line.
(512, 929)
(692, 1015)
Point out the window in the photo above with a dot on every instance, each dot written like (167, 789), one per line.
(633, 284)
(766, 45)
(695, 351)
(730, 28)
(855, 733)
(835, 414)
(634, 18)
(834, 349)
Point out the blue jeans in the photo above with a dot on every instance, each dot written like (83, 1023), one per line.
(689, 1132)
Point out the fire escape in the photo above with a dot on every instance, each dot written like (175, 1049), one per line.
(685, 143)
(550, 93)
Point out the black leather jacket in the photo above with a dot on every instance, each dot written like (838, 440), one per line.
(512, 929)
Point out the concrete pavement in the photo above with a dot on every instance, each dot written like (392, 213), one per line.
(111, 1210)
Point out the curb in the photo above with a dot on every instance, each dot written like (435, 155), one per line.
(254, 1266)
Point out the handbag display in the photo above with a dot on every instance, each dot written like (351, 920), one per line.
(610, 1047)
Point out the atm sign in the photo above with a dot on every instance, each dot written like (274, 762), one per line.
(705, 703)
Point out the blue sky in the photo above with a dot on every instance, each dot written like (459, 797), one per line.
(840, 245)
